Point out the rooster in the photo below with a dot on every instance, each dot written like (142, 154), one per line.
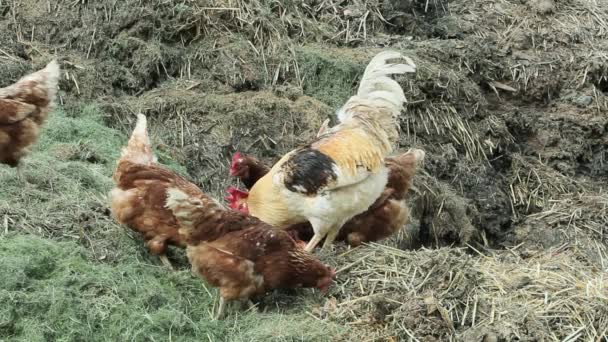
(138, 198)
(24, 107)
(246, 257)
(382, 219)
(341, 173)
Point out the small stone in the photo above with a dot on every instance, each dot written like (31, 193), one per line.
(583, 101)
(490, 337)
(544, 6)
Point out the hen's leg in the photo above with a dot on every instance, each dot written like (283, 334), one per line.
(166, 262)
(158, 246)
(221, 309)
(247, 304)
(321, 228)
(20, 174)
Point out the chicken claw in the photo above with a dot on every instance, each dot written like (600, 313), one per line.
(165, 261)
(221, 309)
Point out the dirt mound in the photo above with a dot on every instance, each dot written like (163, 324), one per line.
(509, 103)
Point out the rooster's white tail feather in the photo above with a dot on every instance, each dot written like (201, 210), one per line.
(377, 88)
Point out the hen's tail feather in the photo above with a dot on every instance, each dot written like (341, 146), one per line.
(52, 72)
(418, 155)
(188, 210)
(414, 157)
(377, 89)
(139, 149)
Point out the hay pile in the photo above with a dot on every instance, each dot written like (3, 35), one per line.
(445, 294)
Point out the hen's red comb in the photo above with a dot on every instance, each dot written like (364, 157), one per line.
(233, 164)
(237, 193)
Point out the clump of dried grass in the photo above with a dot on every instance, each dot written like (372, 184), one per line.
(447, 294)
(534, 185)
(265, 23)
(578, 219)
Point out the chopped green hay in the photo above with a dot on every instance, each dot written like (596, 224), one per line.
(54, 292)
(86, 278)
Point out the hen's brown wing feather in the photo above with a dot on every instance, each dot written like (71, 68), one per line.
(138, 201)
(233, 274)
(12, 111)
(254, 260)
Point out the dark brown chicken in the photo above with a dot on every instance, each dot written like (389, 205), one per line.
(24, 107)
(386, 216)
(248, 257)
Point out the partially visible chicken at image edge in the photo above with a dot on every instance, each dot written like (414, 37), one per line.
(249, 261)
(24, 108)
(342, 172)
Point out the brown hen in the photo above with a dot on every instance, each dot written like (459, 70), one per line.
(246, 257)
(24, 107)
(138, 198)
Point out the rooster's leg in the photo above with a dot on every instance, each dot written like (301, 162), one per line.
(166, 262)
(313, 242)
(221, 309)
(329, 239)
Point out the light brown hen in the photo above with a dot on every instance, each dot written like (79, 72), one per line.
(24, 107)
